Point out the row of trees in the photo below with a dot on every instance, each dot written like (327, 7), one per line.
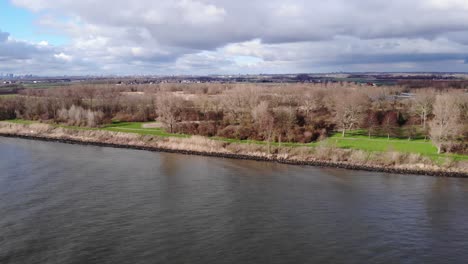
(273, 112)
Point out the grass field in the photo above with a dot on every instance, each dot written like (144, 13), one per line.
(357, 139)
(7, 95)
(45, 85)
(137, 127)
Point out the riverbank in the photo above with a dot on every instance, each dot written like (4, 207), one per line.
(323, 156)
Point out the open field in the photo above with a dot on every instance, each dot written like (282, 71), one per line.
(45, 85)
(359, 140)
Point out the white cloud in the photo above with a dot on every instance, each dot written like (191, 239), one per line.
(449, 4)
(198, 13)
(63, 56)
(43, 43)
(147, 36)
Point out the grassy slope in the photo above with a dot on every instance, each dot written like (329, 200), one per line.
(359, 139)
(136, 127)
(352, 140)
(381, 144)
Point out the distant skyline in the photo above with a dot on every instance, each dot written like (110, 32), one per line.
(177, 37)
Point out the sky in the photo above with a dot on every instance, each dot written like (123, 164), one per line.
(172, 37)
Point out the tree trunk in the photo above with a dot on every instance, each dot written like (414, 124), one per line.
(424, 122)
(269, 145)
(344, 130)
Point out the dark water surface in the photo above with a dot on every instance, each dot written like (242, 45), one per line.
(81, 204)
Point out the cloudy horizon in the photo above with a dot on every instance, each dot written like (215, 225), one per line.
(65, 37)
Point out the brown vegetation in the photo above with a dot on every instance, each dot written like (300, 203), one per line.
(269, 112)
(449, 120)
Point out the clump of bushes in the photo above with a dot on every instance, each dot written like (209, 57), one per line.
(78, 116)
(7, 109)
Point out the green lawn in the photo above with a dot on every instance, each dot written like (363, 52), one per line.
(22, 121)
(358, 140)
(8, 95)
(137, 127)
(126, 127)
(353, 140)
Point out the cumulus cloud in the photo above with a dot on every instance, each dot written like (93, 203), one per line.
(210, 36)
(11, 49)
(63, 56)
(23, 57)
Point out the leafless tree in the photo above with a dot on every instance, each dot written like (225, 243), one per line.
(390, 123)
(94, 118)
(168, 109)
(265, 121)
(446, 125)
(240, 100)
(350, 109)
(371, 123)
(423, 103)
(312, 101)
(284, 121)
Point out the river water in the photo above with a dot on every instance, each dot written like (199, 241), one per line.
(64, 203)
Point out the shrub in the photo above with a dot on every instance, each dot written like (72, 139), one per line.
(77, 116)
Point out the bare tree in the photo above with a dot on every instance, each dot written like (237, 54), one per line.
(423, 103)
(88, 93)
(390, 123)
(265, 121)
(7, 108)
(371, 123)
(446, 125)
(240, 100)
(284, 120)
(411, 130)
(94, 118)
(312, 101)
(168, 109)
(350, 109)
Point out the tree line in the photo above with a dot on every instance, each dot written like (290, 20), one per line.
(269, 112)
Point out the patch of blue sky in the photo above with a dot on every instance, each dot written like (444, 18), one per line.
(21, 24)
(246, 60)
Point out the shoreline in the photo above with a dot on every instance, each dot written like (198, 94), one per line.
(271, 158)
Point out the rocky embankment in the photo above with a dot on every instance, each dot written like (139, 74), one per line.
(323, 156)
